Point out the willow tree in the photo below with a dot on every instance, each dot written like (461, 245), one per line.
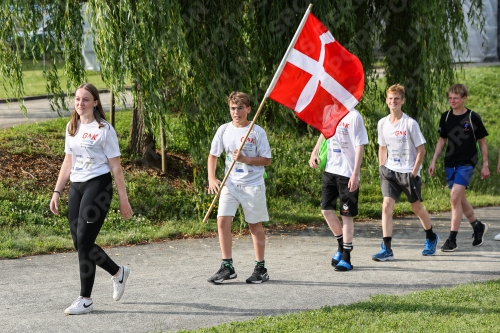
(61, 40)
(142, 41)
(240, 47)
(189, 55)
(134, 40)
(419, 36)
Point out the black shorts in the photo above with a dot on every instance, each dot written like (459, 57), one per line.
(335, 186)
(393, 183)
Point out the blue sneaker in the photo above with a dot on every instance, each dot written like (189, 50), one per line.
(336, 258)
(343, 266)
(430, 246)
(384, 254)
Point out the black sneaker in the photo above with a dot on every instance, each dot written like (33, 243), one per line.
(449, 246)
(224, 273)
(259, 275)
(479, 233)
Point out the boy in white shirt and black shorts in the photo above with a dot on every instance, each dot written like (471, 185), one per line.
(341, 181)
(401, 152)
(245, 185)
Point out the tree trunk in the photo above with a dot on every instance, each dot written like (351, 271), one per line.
(163, 149)
(141, 144)
(112, 108)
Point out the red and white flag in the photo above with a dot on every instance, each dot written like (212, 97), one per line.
(318, 78)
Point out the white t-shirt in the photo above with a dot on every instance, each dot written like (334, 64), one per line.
(90, 149)
(351, 132)
(228, 138)
(401, 148)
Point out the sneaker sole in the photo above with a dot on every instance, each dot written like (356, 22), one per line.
(264, 279)
(87, 310)
(234, 276)
(484, 234)
(342, 268)
(449, 250)
(383, 259)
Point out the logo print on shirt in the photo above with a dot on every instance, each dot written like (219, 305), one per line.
(79, 162)
(398, 133)
(466, 126)
(88, 140)
(249, 140)
(90, 136)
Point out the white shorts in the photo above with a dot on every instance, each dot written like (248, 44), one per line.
(251, 198)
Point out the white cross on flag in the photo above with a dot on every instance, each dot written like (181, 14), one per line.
(321, 81)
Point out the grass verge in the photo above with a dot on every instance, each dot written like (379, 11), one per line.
(475, 308)
(35, 83)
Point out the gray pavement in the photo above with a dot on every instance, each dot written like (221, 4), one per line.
(167, 288)
(39, 110)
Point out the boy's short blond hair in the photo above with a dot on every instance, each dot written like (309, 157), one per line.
(459, 89)
(396, 89)
(238, 98)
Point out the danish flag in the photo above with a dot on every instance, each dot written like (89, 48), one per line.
(318, 78)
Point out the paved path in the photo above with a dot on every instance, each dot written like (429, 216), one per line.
(167, 288)
(39, 110)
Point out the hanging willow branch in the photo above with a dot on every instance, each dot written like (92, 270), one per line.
(142, 41)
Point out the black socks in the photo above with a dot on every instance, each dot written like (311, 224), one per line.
(340, 240)
(228, 262)
(346, 253)
(475, 224)
(260, 263)
(387, 242)
(429, 234)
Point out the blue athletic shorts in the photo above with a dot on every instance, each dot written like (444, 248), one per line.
(459, 175)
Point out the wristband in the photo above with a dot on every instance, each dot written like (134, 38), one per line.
(57, 192)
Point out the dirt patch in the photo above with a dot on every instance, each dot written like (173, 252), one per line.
(43, 170)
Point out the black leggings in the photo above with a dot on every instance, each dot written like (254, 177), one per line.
(88, 205)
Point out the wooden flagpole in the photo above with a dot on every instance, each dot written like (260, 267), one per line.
(268, 92)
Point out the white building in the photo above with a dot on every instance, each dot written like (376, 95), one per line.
(482, 46)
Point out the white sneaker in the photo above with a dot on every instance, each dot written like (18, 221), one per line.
(119, 282)
(497, 237)
(80, 306)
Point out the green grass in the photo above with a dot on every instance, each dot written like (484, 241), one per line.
(168, 209)
(34, 82)
(475, 308)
